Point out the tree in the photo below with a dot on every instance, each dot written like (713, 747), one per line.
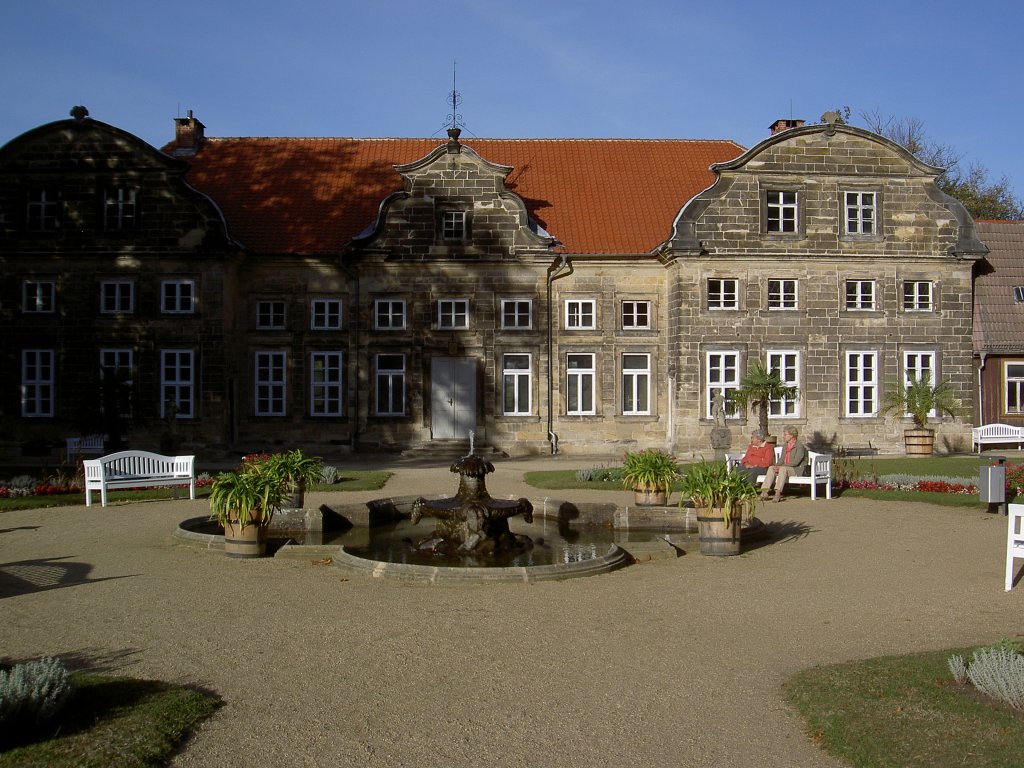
(981, 196)
(758, 388)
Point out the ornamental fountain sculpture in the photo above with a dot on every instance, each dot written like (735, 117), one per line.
(471, 521)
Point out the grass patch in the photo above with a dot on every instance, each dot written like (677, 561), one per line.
(357, 480)
(904, 712)
(117, 721)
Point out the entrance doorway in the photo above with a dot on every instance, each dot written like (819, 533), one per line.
(453, 397)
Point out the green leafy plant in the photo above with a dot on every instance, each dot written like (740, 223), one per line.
(33, 693)
(293, 467)
(713, 486)
(251, 495)
(758, 388)
(649, 469)
(921, 400)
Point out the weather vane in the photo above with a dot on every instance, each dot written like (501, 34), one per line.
(455, 99)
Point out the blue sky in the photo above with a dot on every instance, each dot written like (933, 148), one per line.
(527, 68)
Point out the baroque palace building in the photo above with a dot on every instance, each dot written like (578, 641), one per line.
(223, 295)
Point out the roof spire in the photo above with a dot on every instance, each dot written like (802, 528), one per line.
(454, 120)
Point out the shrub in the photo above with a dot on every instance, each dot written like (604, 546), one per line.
(328, 475)
(33, 693)
(999, 672)
(23, 481)
(958, 668)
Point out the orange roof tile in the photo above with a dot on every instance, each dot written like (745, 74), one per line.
(998, 318)
(298, 195)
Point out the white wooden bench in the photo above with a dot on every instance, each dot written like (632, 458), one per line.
(996, 433)
(87, 445)
(137, 469)
(820, 471)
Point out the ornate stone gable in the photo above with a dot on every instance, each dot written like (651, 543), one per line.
(454, 205)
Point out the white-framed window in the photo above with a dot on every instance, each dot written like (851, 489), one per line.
(516, 384)
(787, 363)
(117, 377)
(918, 366)
(636, 384)
(178, 296)
(389, 314)
(41, 214)
(722, 374)
(453, 226)
(177, 384)
(636, 315)
(117, 297)
(723, 293)
(782, 294)
(917, 296)
(1013, 385)
(270, 315)
(860, 213)
(390, 385)
(861, 384)
(119, 209)
(37, 383)
(860, 294)
(38, 296)
(516, 313)
(326, 379)
(580, 380)
(325, 314)
(453, 314)
(580, 314)
(270, 383)
(781, 212)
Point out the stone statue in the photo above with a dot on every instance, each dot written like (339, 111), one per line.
(718, 409)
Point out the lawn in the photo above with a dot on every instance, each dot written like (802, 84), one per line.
(904, 712)
(117, 721)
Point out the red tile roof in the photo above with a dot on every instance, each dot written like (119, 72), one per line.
(298, 195)
(998, 319)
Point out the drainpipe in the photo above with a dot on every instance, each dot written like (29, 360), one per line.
(353, 274)
(555, 271)
(981, 392)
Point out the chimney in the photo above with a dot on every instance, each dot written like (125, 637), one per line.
(188, 135)
(784, 125)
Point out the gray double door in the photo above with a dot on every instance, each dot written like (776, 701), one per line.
(453, 397)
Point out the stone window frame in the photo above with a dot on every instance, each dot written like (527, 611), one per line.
(575, 314)
(517, 381)
(38, 383)
(394, 378)
(915, 303)
(766, 203)
(112, 297)
(326, 314)
(721, 376)
(782, 301)
(912, 362)
(453, 314)
(175, 360)
(854, 387)
(859, 295)
(39, 297)
(718, 300)
(396, 313)
(42, 210)
(786, 408)
(579, 381)
(636, 382)
(271, 315)
(844, 214)
(120, 208)
(516, 314)
(174, 300)
(629, 312)
(117, 361)
(270, 383)
(1013, 385)
(327, 395)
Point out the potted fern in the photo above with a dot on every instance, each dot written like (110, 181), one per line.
(649, 473)
(722, 499)
(300, 472)
(244, 502)
(921, 400)
(757, 389)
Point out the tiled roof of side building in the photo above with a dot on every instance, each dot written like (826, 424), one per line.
(596, 196)
(998, 316)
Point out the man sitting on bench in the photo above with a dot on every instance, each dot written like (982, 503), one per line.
(793, 461)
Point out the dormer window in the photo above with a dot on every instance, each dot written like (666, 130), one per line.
(41, 215)
(119, 209)
(453, 226)
(1018, 294)
(781, 212)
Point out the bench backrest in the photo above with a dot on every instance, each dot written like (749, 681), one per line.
(128, 464)
(998, 430)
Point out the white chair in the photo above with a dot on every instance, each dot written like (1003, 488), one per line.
(1014, 540)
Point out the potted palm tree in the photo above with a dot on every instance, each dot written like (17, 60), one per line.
(921, 400)
(244, 502)
(300, 472)
(649, 473)
(722, 499)
(758, 388)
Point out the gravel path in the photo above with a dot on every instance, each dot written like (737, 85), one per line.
(671, 662)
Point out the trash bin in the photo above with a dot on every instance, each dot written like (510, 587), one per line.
(992, 484)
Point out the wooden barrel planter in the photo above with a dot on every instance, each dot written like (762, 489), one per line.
(716, 538)
(650, 497)
(919, 442)
(247, 541)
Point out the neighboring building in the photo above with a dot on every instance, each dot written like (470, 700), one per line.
(584, 295)
(999, 323)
